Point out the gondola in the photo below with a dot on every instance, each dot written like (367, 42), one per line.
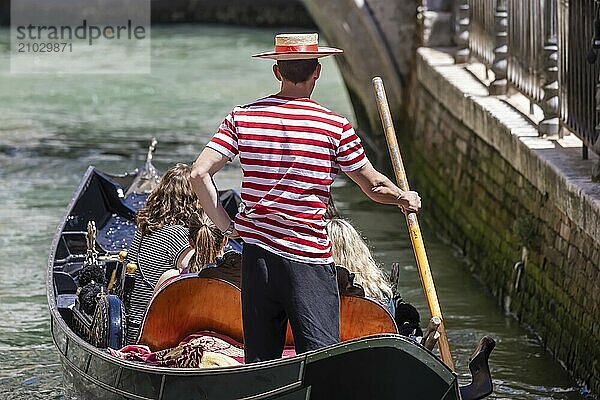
(382, 366)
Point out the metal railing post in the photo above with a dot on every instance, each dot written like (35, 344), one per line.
(550, 102)
(499, 65)
(462, 17)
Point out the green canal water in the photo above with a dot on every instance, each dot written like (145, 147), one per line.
(53, 127)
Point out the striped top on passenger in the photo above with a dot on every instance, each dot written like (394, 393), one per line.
(154, 254)
(290, 151)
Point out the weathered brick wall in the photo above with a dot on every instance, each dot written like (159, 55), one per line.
(493, 194)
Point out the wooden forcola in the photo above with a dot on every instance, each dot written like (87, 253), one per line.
(411, 220)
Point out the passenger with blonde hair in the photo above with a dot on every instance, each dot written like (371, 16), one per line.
(161, 239)
(349, 250)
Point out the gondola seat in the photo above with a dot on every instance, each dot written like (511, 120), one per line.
(360, 317)
(189, 304)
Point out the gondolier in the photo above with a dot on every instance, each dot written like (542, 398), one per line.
(291, 149)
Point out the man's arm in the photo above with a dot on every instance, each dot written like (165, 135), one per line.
(207, 164)
(379, 188)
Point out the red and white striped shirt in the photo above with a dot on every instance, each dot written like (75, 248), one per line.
(290, 151)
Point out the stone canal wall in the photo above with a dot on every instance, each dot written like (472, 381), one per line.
(494, 188)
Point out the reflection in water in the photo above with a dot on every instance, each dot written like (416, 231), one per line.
(53, 127)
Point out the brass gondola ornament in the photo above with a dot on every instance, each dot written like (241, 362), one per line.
(91, 255)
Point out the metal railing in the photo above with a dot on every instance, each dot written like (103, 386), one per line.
(487, 38)
(482, 29)
(578, 79)
(528, 45)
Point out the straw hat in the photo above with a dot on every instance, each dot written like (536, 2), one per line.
(298, 46)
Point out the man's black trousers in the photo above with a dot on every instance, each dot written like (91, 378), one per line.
(275, 289)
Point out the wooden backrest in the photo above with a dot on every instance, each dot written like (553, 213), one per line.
(189, 304)
(360, 317)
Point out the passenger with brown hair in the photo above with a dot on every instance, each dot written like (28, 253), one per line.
(206, 253)
(161, 239)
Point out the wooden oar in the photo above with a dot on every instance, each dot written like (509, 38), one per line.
(411, 220)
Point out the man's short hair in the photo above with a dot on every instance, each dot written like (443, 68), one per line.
(297, 70)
